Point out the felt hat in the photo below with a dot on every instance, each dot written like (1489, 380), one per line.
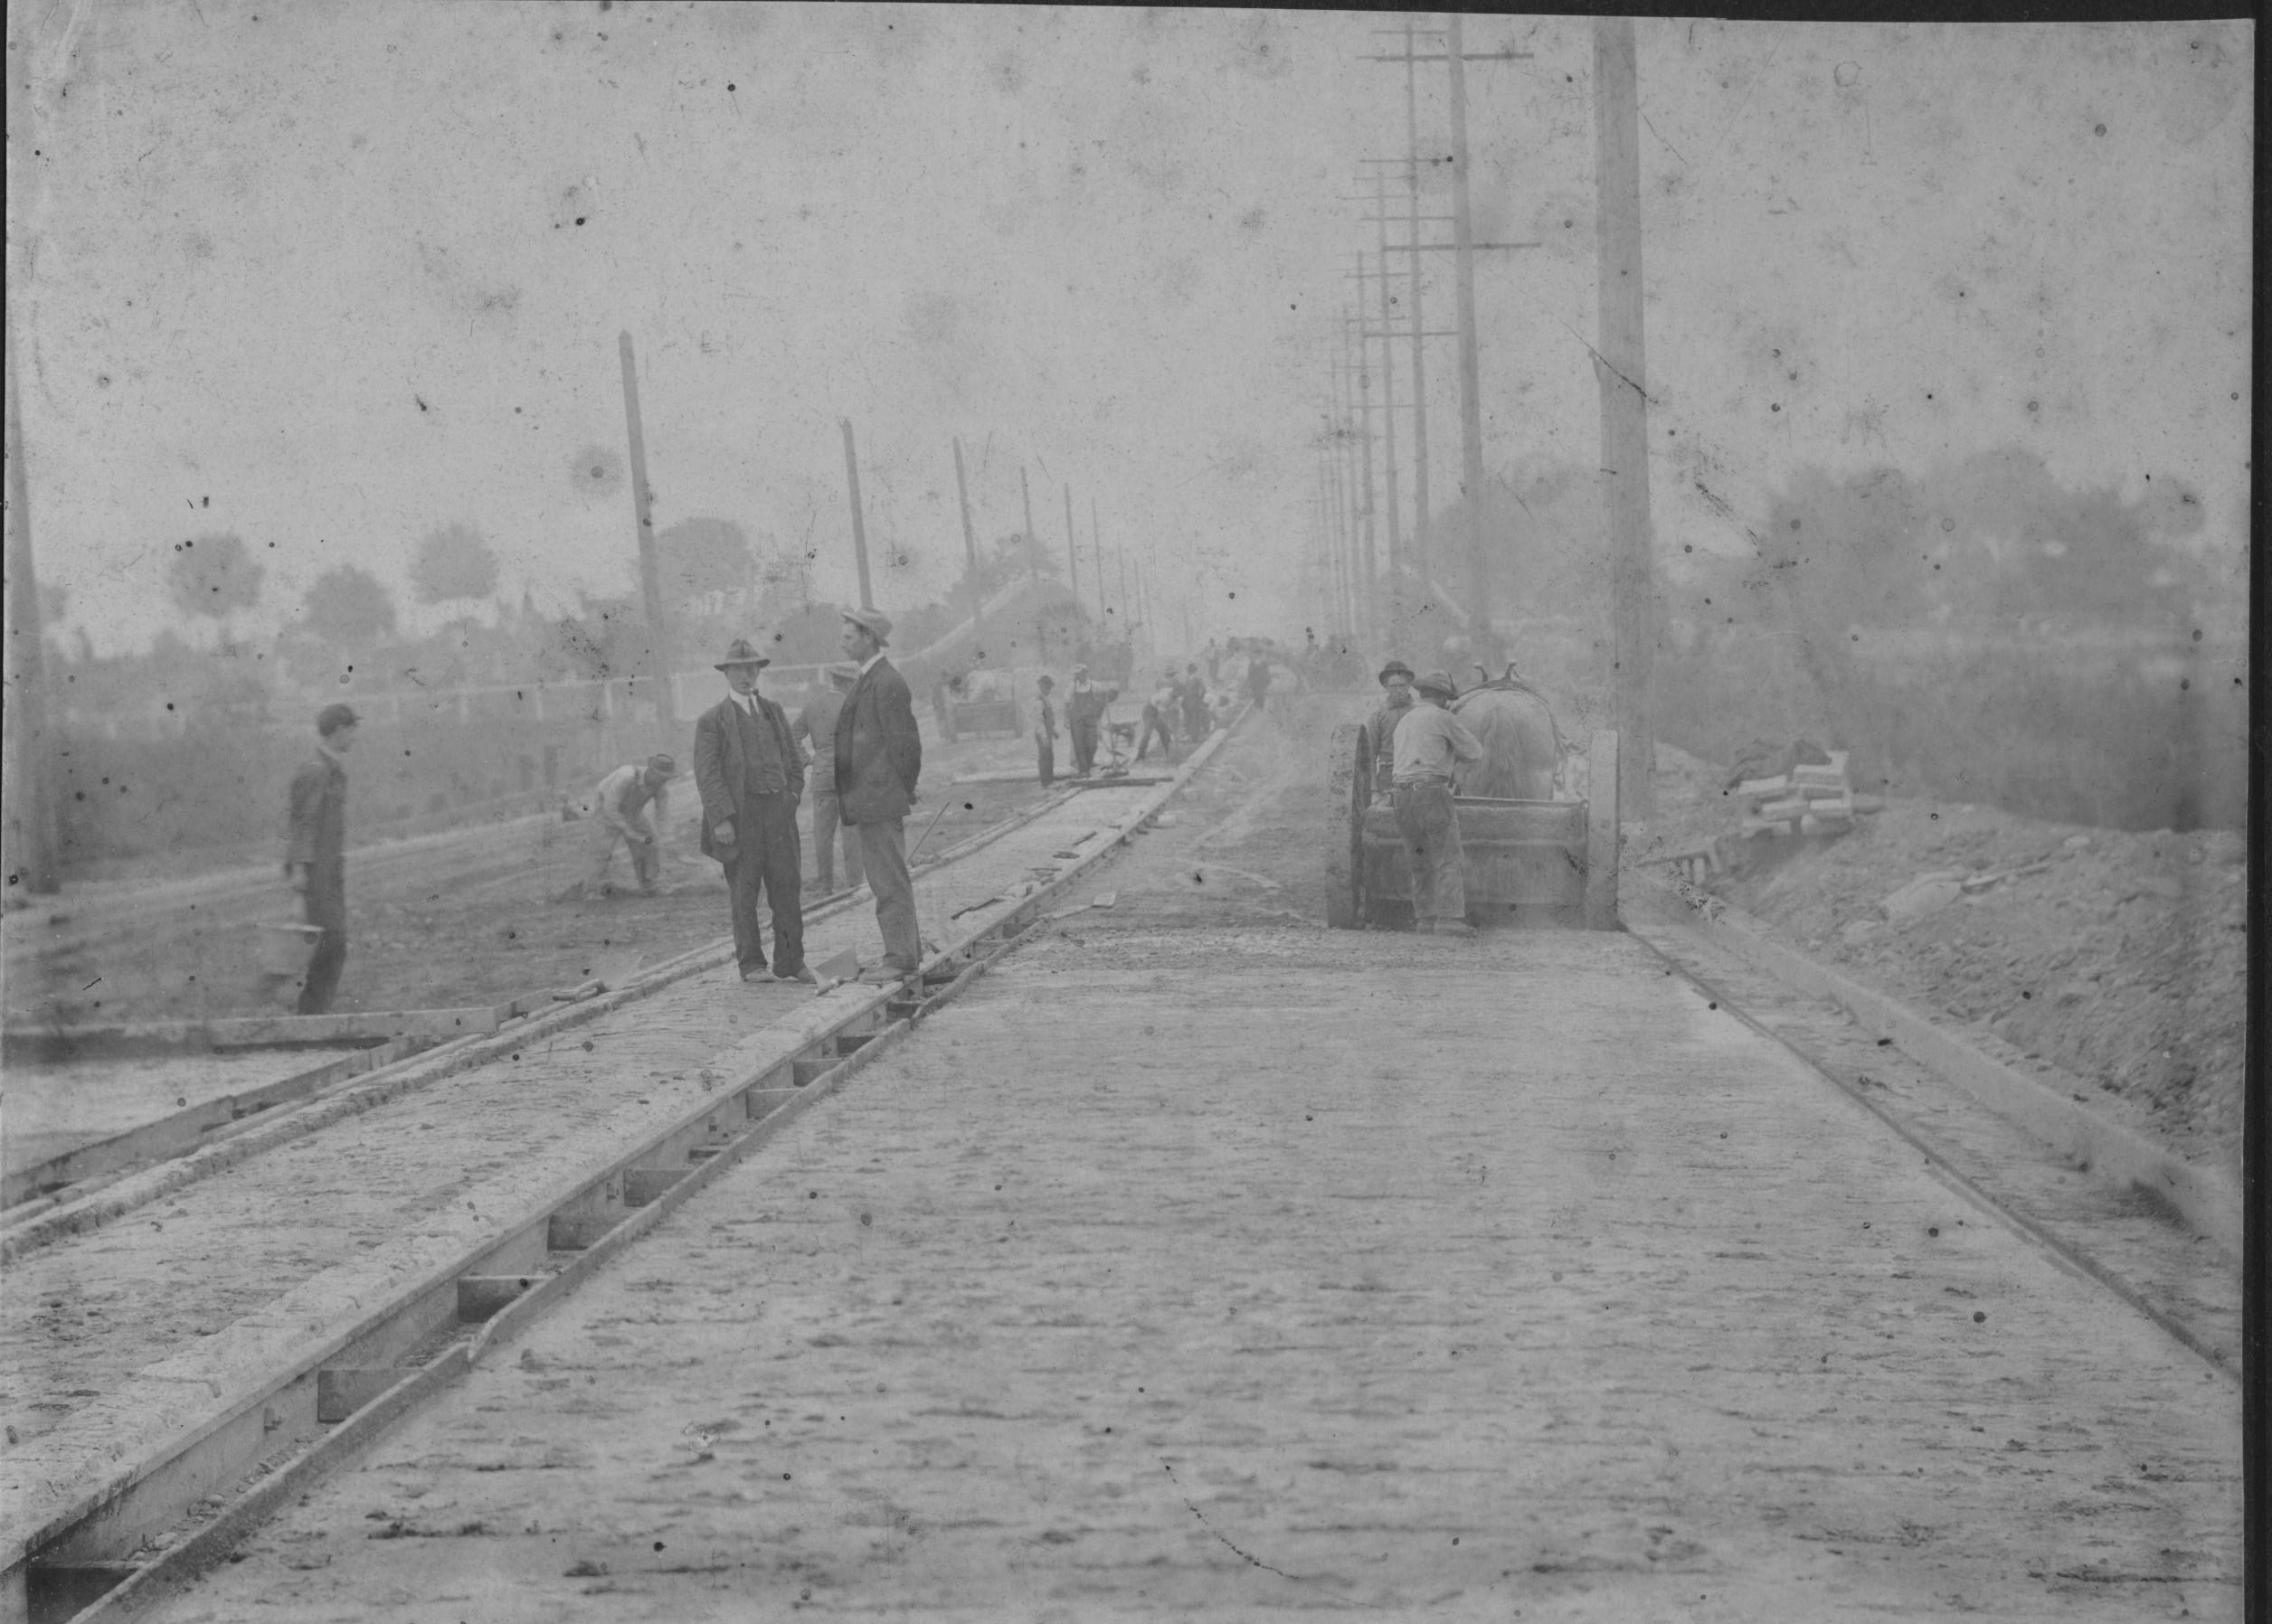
(1046, 681)
(1437, 682)
(743, 652)
(1395, 668)
(662, 766)
(332, 718)
(875, 622)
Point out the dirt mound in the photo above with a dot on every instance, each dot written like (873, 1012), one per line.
(2119, 958)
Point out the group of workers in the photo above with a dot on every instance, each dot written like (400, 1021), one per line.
(1416, 743)
(751, 773)
(1174, 701)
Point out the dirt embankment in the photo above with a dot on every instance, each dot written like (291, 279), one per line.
(2118, 958)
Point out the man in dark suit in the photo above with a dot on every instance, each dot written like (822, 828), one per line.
(751, 776)
(878, 756)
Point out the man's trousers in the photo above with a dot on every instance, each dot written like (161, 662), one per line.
(767, 857)
(325, 904)
(646, 861)
(1431, 830)
(884, 845)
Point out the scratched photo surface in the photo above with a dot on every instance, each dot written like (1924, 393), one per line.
(1782, 1163)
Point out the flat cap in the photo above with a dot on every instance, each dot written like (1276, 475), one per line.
(332, 718)
(875, 622)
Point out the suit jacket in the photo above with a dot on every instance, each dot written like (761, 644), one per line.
(720, 769)
(878, 752)
(318, 830)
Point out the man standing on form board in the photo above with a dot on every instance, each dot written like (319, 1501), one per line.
(878, 756)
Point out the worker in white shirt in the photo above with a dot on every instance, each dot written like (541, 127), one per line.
(1429, 741)
(632, 805)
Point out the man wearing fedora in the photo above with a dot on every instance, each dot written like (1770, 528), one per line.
(878, 756)
(751, 775)
(815, 733)
(1429, 741)
(1395, 705)
(315, 854)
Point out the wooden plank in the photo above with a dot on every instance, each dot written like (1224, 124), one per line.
(249, 1031)
(643, 1185)
(170, 1136)
(575, 1231)
(185, 1129)
(482, 1295)
(341, 1391)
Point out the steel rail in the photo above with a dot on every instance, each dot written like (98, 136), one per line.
(294, 1424)
(163, 1156)
(2062, 1251)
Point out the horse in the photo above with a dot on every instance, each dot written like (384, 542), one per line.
(1522, 745)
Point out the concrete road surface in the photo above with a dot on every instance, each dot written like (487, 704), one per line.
(1206, 1263)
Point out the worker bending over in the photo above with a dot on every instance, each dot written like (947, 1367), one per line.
(1429, 741)
(631, 805)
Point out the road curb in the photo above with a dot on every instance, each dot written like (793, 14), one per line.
(123, 1192)
(2206, 1198)
(281, 1348)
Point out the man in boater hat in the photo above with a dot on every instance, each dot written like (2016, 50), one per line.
(751, 776)
(878, 756)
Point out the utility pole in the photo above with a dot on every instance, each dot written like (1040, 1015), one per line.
(1073, 559)
(1033, 543)
(1421, 518)
(1119, 555)
(659, 661)
(32, 857)
(859, 523)
(969, 538)
(1620, 370)
(1096, 557)
(1471, 386)
(1464, 247)
(1387, 386)
(1367, 568)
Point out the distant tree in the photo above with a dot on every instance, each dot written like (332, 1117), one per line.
(453, 565)
(605, 637)
(704, 560)
(347, 605)
(213, 577)
(807, 635)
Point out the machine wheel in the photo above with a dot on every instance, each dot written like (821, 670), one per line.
(1603, 837)
(1348, 777)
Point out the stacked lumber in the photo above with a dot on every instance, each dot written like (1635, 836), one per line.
(1805, 800)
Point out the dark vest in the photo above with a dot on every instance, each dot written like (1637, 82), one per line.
(763, 769)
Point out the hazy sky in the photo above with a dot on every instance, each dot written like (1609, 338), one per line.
(355, 268)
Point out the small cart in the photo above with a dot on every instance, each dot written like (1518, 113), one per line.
(1545, 861)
